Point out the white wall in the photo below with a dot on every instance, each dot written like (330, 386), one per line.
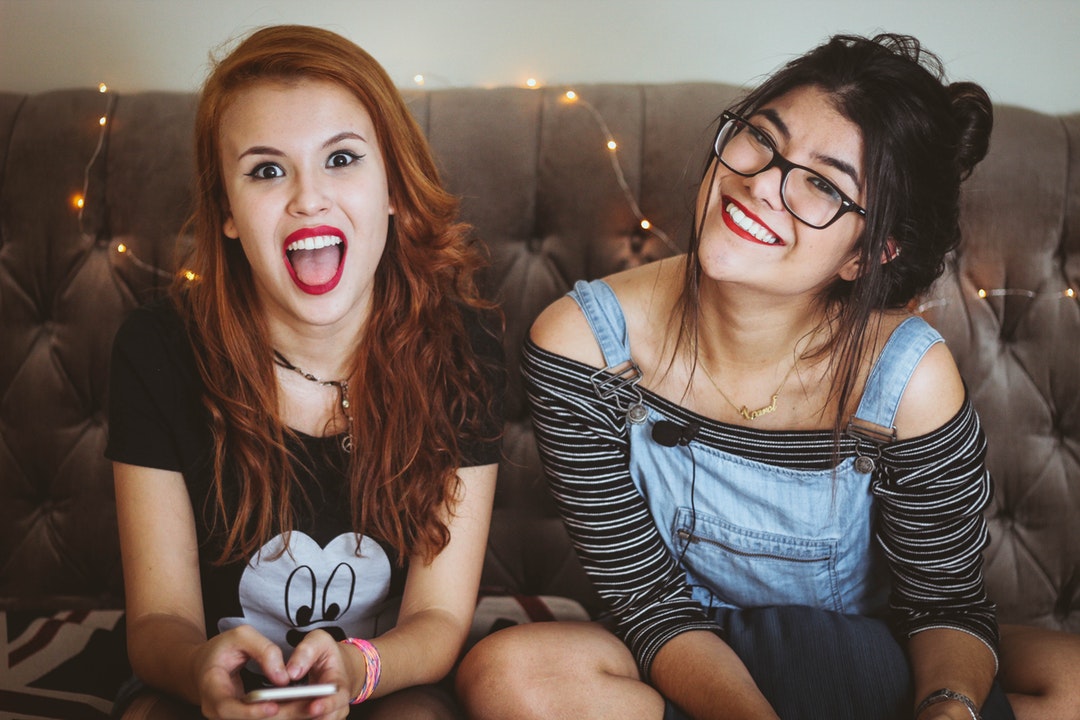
(1025, 52)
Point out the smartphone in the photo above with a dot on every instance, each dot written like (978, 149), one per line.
(290, 692)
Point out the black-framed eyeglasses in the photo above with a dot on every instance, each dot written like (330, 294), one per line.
(811, 198)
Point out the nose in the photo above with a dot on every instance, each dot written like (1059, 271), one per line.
(767, 187)
(309, 197)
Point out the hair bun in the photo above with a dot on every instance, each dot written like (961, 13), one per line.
(974, 114)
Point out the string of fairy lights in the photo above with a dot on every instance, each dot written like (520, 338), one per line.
(610, 145)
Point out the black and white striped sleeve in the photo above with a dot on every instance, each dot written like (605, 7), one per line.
(585, 452)
(931, 525)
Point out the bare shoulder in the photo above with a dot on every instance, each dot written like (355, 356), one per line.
(562, 328)
(933, 396)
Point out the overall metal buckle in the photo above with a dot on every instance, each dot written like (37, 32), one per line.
(863, 431)
(609, 381)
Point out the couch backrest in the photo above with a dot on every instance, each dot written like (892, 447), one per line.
(537, 181)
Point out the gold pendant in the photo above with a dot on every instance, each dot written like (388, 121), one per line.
(755, 414)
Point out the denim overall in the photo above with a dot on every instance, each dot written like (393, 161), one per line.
(784, 560)
(754, 534)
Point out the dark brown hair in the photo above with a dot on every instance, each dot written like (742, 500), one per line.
(921, 138)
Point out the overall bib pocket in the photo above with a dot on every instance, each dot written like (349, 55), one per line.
(745, 568)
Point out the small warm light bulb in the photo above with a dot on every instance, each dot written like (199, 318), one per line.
(77, 201)
(645, 224)
(121, 248)
(571, 95)
(102, 121)
(612, 145)
(190, 276)
(102, 87)
(532, 83)
(418, 79)
(1070, 293)
(982, 293)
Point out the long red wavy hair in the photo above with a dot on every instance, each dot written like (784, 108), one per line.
(418, 387)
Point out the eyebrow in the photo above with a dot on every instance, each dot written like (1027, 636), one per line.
(272, 151)
(845, 167)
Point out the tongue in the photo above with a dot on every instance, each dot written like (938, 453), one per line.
(315, 267)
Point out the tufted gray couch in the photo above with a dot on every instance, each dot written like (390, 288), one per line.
(538, 183)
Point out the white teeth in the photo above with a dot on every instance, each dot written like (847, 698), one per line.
(755, 229)
(313, 243)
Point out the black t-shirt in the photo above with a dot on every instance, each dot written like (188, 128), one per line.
(157, 419)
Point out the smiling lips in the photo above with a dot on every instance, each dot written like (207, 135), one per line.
(315, 258)
(736, 218)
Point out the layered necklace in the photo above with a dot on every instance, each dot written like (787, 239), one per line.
(342, 387)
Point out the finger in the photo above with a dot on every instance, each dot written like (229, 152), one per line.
(267, 654)
(318, 650)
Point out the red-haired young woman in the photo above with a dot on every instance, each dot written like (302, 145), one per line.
(305, 437)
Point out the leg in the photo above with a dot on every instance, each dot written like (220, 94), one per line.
(554, 670)
(813, 664)
(150, 705)
(1040, 671)
(424, 702)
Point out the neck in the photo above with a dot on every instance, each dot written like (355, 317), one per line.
(326, 352)
(741, 331)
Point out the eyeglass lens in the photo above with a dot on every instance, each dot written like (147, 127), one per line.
(807, 195)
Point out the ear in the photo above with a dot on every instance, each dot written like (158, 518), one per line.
(229, 228)
(850, 270)
(891, 251)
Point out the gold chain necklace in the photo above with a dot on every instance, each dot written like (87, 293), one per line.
(747, 413)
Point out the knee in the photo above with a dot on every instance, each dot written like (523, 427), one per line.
(1039, 668)
(498, 678)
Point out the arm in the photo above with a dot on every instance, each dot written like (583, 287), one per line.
(151, 395)
(934, 532)
(585, 453)
(439, 600)
(727, 691)
(167, 643)
(948, 658)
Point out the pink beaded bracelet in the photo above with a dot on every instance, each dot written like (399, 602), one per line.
(372, 668)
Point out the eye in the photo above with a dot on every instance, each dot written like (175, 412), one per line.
(758, 137)
(342, 158)
(823, 188)
(266, 171)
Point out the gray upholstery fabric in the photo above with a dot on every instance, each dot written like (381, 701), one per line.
(537, 182)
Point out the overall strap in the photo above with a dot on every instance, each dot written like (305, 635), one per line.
(606, 320)
(874, 421)
(605, 317)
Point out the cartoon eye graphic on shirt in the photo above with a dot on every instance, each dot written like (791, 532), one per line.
(285, 595)
(338, 592)
(302, 592)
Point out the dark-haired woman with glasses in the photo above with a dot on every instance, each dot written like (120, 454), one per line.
(769, 468)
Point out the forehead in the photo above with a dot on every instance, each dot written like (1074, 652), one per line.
(292, 109)
(811, 128)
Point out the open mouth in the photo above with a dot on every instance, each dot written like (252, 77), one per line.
(737, 219)
(315, 258)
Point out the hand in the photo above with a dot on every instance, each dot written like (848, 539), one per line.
(321, 659)
(217, 668)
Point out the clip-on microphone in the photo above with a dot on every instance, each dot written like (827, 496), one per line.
(670, 434)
